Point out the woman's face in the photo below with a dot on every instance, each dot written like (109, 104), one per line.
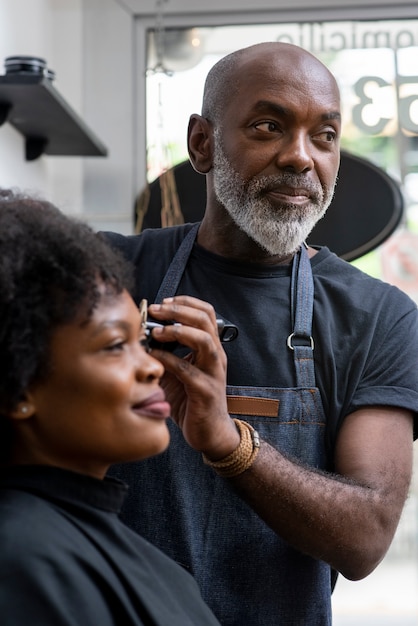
(101, 402)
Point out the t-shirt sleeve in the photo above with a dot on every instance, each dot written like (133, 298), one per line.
(390, 375)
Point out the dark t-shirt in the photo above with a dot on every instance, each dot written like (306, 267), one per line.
(365, 331)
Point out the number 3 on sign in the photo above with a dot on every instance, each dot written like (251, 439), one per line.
(375, 97)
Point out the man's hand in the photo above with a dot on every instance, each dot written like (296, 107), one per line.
(196, 384)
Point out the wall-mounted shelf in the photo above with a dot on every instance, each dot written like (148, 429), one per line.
(35, 108)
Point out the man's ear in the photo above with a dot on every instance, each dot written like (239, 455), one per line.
(200, 143)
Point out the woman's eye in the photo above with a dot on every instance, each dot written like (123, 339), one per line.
(115, 347)
(144, 343)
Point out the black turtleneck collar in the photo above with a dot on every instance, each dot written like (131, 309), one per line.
(62, 485)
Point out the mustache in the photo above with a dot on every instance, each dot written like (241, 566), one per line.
(289, 179)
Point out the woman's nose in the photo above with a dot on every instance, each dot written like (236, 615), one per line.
(148, 367)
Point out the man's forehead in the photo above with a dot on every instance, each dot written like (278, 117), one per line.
(284, 98)
(287, 65)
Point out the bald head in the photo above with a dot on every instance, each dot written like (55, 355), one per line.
(233, 72)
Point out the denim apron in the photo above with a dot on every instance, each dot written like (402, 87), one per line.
(247, 574)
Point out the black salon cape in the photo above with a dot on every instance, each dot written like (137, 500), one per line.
(66, 559)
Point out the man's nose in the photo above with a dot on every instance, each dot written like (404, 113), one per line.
(295, 153)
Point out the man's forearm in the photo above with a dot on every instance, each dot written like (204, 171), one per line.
(329, 517)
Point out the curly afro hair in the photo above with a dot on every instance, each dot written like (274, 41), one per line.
(51, 269)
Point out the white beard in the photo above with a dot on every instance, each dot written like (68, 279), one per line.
(278, 230)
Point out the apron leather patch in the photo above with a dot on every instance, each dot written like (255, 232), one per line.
(247, 405)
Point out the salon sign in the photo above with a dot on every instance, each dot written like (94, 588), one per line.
(380, 68)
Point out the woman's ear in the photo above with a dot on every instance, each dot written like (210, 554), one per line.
(23, 410)
(200, 143)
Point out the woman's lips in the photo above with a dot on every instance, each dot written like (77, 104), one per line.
(154, 406)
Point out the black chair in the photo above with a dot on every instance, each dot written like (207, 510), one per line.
(366, 209)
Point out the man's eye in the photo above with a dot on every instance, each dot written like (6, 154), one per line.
(266, 126)
(327, 135)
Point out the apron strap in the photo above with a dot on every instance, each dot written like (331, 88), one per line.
(174, 273)
(302, 298)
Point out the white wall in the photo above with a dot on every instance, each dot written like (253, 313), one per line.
(50, 29)
(109, 100)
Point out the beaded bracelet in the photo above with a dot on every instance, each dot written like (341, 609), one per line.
(242, 457)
